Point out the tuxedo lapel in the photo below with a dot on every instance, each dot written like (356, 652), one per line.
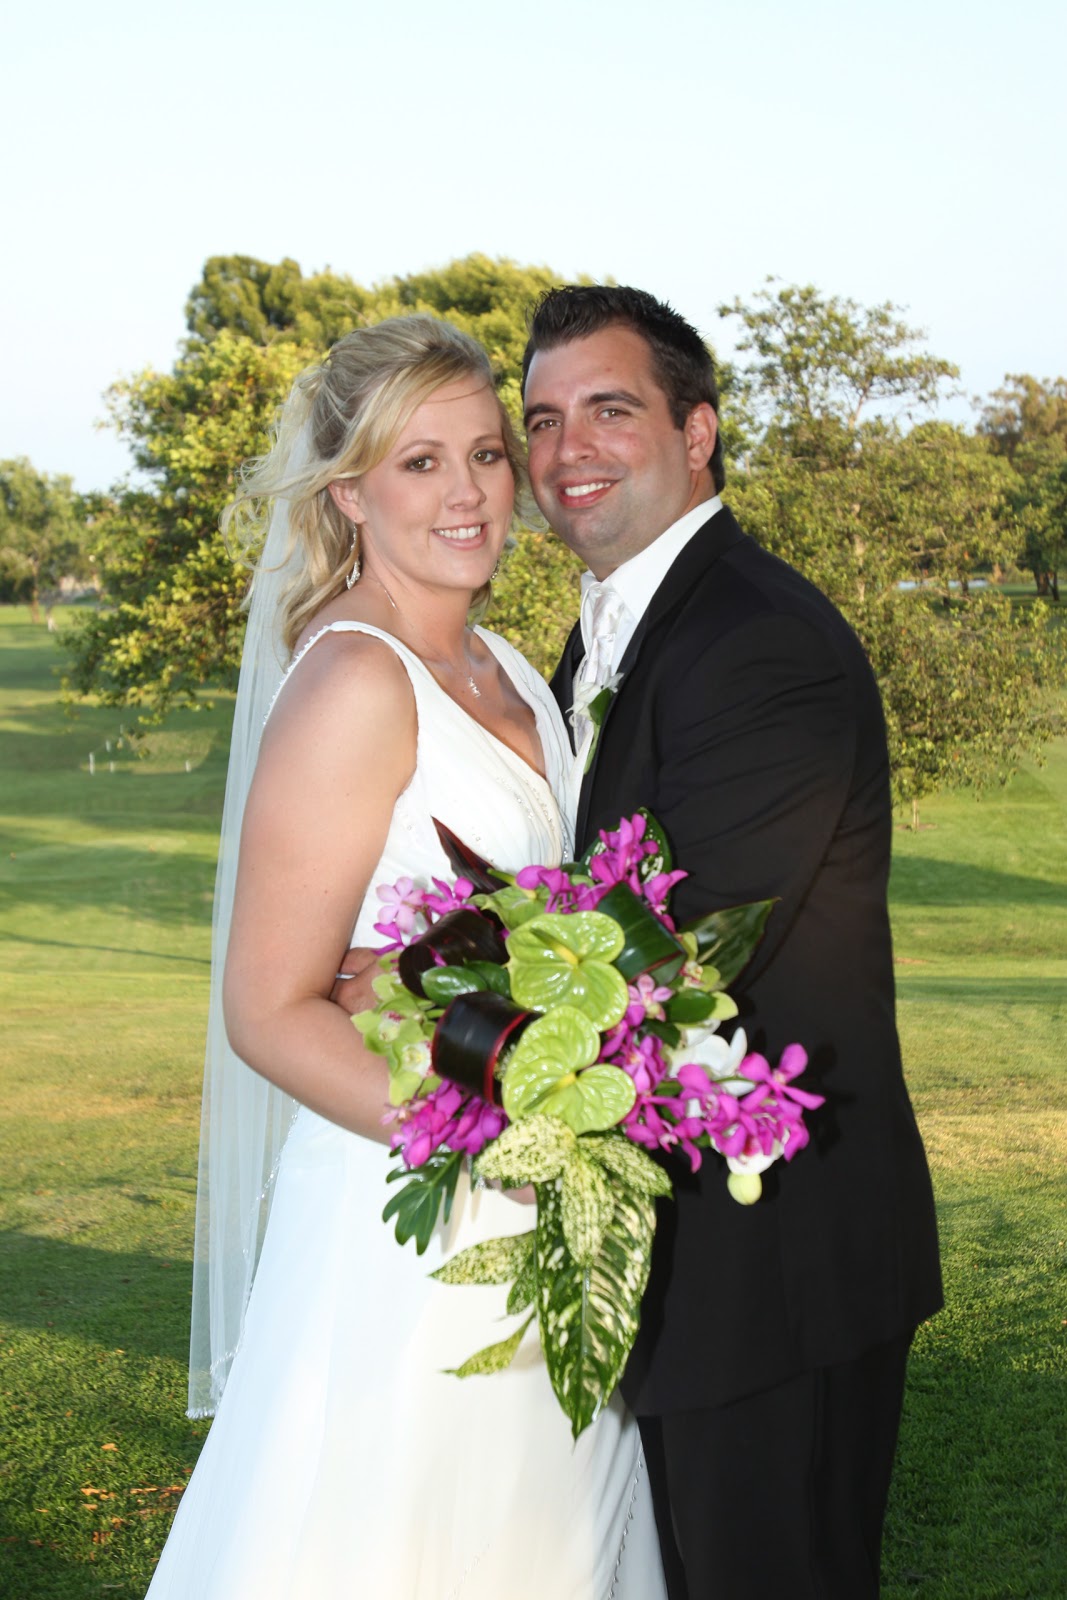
(717, 535)
(562, 680)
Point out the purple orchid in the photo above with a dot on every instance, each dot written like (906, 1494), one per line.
(646, 1000)
(449, 896)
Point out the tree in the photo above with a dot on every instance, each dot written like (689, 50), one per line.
(42, 533)
(1025, 409)
(176, 621)
(824, 360)
(1039, 502)
(1026, 422)
(863, 505)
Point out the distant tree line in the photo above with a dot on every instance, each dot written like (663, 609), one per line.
(835, 463)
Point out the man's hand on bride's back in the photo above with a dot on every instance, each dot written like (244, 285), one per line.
(352, 991)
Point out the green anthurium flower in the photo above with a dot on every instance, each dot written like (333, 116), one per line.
(558, 960)
(551, 1072)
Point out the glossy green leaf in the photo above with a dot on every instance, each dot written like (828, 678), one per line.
(490, 1261)
(428, 1192)
(726, 939)
(442, 984)
(493, 976)
(691, 1005)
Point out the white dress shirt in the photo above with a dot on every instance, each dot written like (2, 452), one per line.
(637, 580)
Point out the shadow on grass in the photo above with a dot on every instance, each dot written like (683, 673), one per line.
(919, 881)
(110, 1297)
(107, 949)
(989, 991)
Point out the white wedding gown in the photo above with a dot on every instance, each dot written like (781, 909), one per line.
(344, 1463)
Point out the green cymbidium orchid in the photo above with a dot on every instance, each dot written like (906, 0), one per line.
(551, 1073)
(558, 960)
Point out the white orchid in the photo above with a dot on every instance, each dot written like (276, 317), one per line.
(706, 1048)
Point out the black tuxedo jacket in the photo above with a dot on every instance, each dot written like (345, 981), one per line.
(749, 722)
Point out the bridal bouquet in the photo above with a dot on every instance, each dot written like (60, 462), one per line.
(553, 1027)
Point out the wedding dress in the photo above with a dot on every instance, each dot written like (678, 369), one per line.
(344, 1461)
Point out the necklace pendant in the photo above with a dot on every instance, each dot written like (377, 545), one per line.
(473, 687)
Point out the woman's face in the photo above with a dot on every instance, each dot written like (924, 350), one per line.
(438, 508)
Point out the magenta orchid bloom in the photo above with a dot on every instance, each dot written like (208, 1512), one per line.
(446, 1116)
(646, 1001)
(447, 897)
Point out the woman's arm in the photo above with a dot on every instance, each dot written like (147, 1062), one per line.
(338, 750)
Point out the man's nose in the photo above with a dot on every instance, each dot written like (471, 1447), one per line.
(575, 440)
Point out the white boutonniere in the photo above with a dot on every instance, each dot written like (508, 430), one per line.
(592, 700)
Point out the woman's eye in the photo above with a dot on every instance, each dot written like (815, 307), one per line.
(418, 464)
(487, 457)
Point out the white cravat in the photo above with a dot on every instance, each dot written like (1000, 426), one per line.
(601, 615)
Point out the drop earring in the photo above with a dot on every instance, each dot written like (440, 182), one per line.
(352, 577)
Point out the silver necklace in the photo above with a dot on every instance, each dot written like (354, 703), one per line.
(469, 681)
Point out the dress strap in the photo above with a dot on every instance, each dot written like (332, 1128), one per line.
(409, 658)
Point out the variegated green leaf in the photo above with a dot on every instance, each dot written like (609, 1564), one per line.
(531, 1151)
(629, 1162)
(522, 1292)
(589, 1316)
(491, 1261)
(587, 1207)
(494, 1358)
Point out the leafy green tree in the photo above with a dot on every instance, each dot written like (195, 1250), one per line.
(42, 533)
(819, 360)
(1026, 422)
(175, 622)
(1039, 501)
(864, 506)
(1024, 410)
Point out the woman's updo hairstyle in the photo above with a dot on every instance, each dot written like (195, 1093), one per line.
(341, 419)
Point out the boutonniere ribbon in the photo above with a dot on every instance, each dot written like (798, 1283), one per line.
(591, 700)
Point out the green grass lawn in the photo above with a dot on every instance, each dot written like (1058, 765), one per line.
(105, 907)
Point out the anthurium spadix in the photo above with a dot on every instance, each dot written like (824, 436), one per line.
(551, 1072)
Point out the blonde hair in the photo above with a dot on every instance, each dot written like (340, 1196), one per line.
(341, 419)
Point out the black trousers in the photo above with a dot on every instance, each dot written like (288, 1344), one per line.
(783, 1492)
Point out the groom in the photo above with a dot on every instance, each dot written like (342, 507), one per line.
(769, 1370)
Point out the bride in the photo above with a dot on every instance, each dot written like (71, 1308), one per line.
(343, 1460)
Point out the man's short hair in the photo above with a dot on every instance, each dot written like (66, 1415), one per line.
(681, 364)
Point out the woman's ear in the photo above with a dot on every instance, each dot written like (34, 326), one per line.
(343, 493)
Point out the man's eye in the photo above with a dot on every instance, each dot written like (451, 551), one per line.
(541, 424)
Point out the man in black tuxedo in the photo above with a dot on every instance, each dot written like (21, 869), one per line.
(769, 1370)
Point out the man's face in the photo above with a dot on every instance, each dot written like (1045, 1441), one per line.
(610, 471)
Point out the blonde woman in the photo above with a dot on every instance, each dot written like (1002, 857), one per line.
(343, 1461)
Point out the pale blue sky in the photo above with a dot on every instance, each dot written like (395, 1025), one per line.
(911, 153)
